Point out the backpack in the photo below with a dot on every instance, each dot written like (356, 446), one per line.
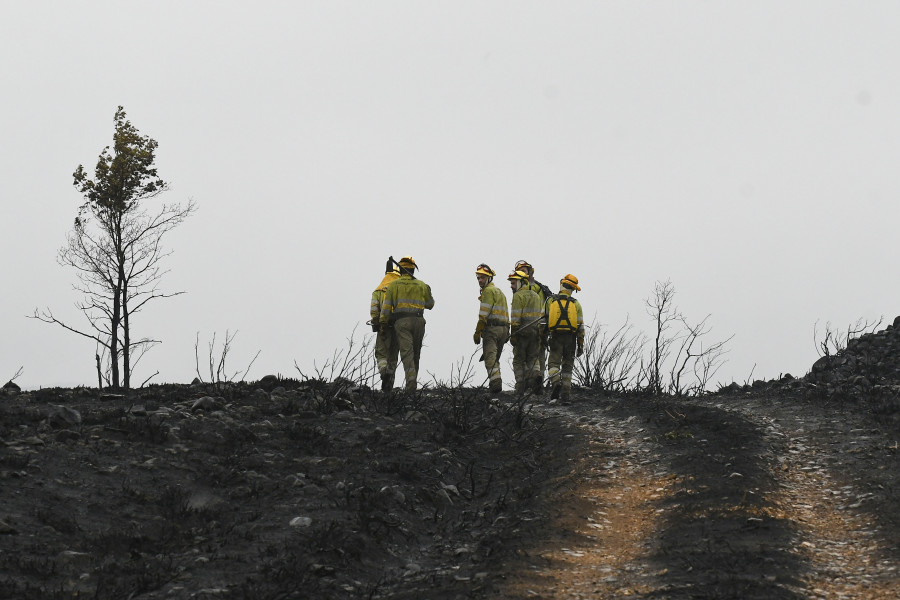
(542, 289)
(562, 313)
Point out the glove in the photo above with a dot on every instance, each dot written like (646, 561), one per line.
(376, 327)
(580, 349)
(479, 327)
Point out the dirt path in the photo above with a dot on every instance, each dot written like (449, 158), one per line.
(722, 499)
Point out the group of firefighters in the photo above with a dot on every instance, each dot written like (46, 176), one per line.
(537, 323)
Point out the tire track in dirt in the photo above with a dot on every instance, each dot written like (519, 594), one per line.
(719, 537)
(846, 552)
(698, 499)
(602, 531)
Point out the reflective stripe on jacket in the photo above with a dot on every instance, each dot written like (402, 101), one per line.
(378, 295)
(405, 296)
(493, 308)
(526, 308)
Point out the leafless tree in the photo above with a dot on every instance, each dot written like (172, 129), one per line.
(678, 347)
(662, 310)
(702, 361)
(832, 341)
(17, 375)
(117, 284)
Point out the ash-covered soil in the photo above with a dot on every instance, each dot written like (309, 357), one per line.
(287, 489)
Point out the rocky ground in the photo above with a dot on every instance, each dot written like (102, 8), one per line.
(310, 489)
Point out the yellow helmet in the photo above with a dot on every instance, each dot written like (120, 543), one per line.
(518, 275)
(483, 269)
(524, 265)
(407, 262)
(571, 281)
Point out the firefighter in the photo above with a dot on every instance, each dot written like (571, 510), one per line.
(525, 333)
(402, 309)
(565, 325)
(386, 349)
(543, 293)
(492, 328)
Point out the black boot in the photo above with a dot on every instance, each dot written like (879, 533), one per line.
(537, 386)
(554, 395)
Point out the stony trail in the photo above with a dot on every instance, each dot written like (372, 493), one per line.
(748, 497)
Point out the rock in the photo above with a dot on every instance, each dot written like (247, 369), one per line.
(415, 416)
(196, 381)
(63, 416)
(206, 403)
(301, 522)
(392, 494)
(269, 382)
(822, 364)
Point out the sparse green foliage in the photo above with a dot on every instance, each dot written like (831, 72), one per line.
(116, 248)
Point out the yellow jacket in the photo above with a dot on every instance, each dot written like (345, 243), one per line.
(378, 295)
(404, 297)
(494, 309)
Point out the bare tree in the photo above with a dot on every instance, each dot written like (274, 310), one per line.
(662, 310)
(703, 361)
(833, 341)
(680, 361)
(17, 375)
(116, 249)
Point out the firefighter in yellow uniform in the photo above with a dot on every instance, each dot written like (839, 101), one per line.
(543, 293)
(402, 310)
(565, 324)
(492, 328)
(525, 334)
(386, 349)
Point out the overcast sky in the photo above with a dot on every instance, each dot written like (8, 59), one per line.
(748, 151)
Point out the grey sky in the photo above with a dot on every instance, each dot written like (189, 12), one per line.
(746, 150)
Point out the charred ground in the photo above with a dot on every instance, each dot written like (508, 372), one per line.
(312, 489)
